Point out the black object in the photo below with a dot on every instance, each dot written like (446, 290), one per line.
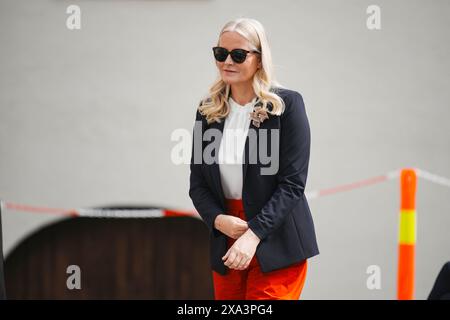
(2, 277)
(441, 288)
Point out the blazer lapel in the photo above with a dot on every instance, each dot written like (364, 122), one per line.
(215, 166)
(248, 150)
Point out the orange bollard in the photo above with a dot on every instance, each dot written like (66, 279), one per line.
(407, 235)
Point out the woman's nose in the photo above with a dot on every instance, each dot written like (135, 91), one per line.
(228, 60)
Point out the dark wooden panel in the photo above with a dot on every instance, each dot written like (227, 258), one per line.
(136, 258)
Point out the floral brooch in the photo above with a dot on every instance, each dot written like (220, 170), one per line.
(258, 115)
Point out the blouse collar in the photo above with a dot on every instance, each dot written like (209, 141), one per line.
(236, 106)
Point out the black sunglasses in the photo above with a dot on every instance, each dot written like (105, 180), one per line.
(238, 55)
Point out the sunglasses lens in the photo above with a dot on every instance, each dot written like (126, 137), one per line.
(220, 54)
(238, 55)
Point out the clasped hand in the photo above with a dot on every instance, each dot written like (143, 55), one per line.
(243, 249)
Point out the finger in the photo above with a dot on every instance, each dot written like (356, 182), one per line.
(239, 220)
(242, 264)
(243, 228)
(236, 262)
(247, 262)
(241, 232)
(242, 222)
(226, 255)
(242, 267)
(230, 259)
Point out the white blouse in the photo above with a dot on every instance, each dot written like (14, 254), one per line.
(231, 151)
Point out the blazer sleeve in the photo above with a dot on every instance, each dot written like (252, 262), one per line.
(295, 140)
(199, 191)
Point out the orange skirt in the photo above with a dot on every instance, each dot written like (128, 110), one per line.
(251, 283)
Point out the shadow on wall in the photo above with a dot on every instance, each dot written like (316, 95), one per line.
(113, 258)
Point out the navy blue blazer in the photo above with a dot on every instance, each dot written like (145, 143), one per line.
(275, 205)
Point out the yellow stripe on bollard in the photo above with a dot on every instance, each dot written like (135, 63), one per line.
(407, 227)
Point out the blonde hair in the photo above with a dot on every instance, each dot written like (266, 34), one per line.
(215, 105)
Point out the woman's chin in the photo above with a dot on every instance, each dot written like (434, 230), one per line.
(230, 80)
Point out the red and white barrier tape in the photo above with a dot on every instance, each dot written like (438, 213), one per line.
(443, 181)
(152, 213)
(354, 185)
(100, 213)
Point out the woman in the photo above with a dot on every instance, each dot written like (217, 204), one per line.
(261, 229)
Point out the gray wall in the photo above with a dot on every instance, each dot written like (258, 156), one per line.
(80, 115)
